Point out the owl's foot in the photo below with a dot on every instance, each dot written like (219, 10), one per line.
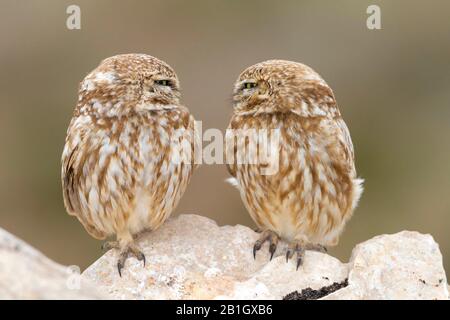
(131, 249)
(299, 249)
(125, 252)
(270, 236)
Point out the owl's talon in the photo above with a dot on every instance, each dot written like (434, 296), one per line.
(299, 262)
(141, 257)
(119, 268)
(289, 254)
(266, 236)
(272, 249)
(273, 246)
(299, 249)
(125, 253)
(300, 254)
(256, 247)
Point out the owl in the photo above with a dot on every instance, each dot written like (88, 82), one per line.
(128, 154)
(314, 190)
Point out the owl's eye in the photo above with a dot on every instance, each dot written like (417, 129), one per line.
(163, 82)
(249, 85)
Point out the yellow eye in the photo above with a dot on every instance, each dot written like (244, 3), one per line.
(249, 85)
(163, 82)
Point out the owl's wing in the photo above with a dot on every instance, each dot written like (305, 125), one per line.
(71, 175)
(69, 180)
(346, 142)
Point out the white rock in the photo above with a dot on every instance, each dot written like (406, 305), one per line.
(406, 265)
(25, 273)
(190, 257)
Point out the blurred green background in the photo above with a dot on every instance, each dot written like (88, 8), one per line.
(392, 86)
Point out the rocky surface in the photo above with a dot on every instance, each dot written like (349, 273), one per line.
(406, 265)
(190, 257)
(25, 273)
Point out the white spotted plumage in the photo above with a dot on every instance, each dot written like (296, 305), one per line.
(315, 190)
(118, 171)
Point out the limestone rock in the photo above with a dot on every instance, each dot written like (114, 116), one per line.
(406, 265)
(25, 273)
(190, 257)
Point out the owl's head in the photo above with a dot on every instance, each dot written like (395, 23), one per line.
(129, 83)
(279, 86)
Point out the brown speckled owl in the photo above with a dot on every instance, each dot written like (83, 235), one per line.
(128, 155)
(312, 194)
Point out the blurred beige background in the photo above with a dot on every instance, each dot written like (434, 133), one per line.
(392, 86)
